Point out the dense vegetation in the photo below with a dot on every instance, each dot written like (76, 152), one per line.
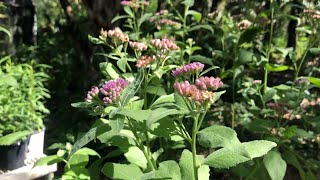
(177, 89)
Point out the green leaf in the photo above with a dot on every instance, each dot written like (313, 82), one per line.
(188, 3)
(109, 70)
(144, 18)
(276, 67)
(83, 105)
(160, 113)
(132, 88)
(156, 90)
(48, 160)
(315, 81)
(119, 17)
(12, 138)
(217, 95)
(162, 70)
(138, 115)
(224, 158)
(197, 16)
(128, 10)
(201, 26)
(163, 100)
(315, 51)
(165, 127)
(167, 170)
(256, 148)
(291, 158)
(2, 29)
(269, 95)
(76, 172)
(186, 165)
(95, 40)
(122, 171)
(180, 102)
(122, 141)
(8, 80)
(238, 153)
(208, 70)
(85, 139)
(275, 165)
(81, 157)
(218, 136)
(122, 63)
(114, 127)
(135, 155)
(202, 59)
(248, 35)
(245, 57)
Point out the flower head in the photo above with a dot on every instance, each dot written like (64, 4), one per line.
(112, 90)
(135, 4)
(92, 93)
(244, 24)
(192, 93)
(138, 46)
(206, 83)
(119, 35)
(162, 12)
(103, 33)
(143, 61)
(188, 69)
(164, 44)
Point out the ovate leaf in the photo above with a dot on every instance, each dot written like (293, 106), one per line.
(160, 113)
(48, 160)
(197, 16)
(315, 81)
(257, 148)
(122, 171)
(276, 67)
(224, 158)
(163, 100)
(136, 156)
(186, 165)
(269, 94)
(275, 165)
(218, 136)
(168, 170)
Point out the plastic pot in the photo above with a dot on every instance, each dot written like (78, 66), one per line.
(13, 156)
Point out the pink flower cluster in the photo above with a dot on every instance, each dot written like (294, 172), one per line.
(162, 12)
(118, 34)
(112, 90)
(92, 93)
(135, 3)
(138, 46)
(164, 22)
(188, 69)
(143, 61)
(201, 92)
(164, 44)
(206, 83)
(192, 93)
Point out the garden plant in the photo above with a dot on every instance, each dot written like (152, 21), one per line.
(190, 93)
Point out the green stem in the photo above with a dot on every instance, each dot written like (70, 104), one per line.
(194, 148)
(141, 146)
(265, 83)
(233, 116)
(303, 58)
(185, 132)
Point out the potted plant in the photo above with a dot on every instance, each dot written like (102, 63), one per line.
(21, 109)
